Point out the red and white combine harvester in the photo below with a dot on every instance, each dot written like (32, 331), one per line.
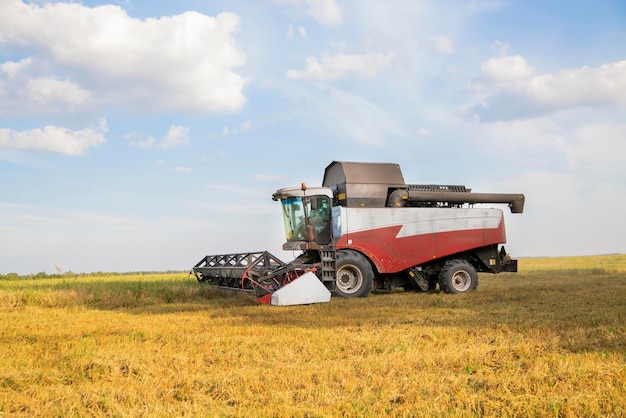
(367, 229)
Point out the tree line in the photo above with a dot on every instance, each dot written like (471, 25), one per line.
(72, 275)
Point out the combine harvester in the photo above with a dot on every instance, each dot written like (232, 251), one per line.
(366, 229)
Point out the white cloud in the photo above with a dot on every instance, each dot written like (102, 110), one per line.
(243, 128)
(50, 90)
(11, 68)
(177, 136)
(182, 169)
(301, 30)
(566, 89)
(336, 66)
(424, 132)
(326, 12)
(507, 68)
(183, 62)
(575, 141)
(55, 139)
(579, 87)
(140, 140)
(442, 44)
(23, 94)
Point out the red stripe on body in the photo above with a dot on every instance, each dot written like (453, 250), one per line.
(390, 254)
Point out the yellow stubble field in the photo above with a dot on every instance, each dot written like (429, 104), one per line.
(547, 341)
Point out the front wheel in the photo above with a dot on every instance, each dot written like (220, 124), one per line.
(355, 276)
(458, 276)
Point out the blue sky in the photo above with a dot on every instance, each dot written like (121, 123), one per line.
(143, 135)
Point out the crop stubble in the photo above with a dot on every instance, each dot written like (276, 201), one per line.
(549, 340)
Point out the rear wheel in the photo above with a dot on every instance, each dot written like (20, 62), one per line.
(458, 276)
(355, 276)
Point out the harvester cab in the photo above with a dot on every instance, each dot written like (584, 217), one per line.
(365, 229)
(306, 215)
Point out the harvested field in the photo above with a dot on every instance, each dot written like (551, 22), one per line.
(548, 341)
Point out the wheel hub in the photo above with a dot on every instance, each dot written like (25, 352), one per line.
(348, 279)
(461, 281)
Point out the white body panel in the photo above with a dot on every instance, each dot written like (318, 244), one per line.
(414, 221)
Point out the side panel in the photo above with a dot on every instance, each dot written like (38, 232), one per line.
(398, 238)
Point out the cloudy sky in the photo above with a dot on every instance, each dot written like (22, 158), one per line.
(143, 135)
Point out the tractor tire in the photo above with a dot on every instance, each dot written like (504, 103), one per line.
(458, 276)
(355, 276)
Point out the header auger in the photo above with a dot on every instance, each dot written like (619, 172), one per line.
(366, 229)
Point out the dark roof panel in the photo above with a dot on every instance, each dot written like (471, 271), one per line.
(339, 172)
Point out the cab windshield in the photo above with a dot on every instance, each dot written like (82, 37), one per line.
(297, 209)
